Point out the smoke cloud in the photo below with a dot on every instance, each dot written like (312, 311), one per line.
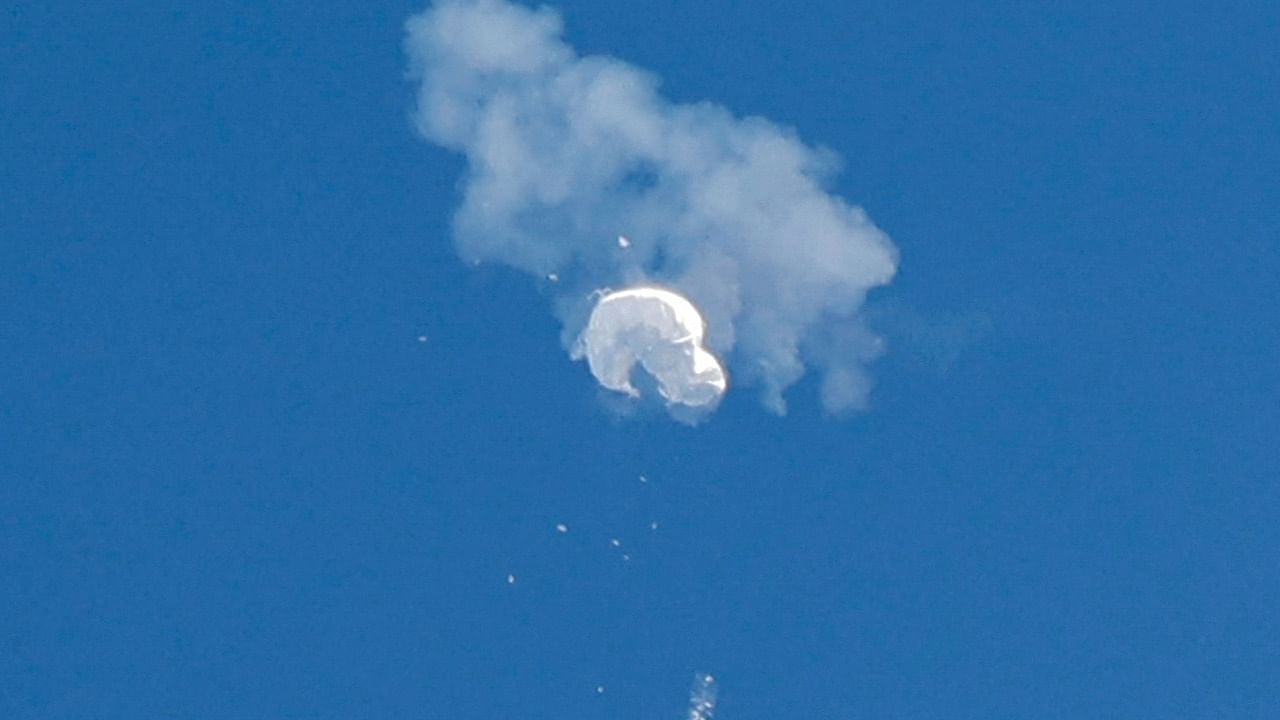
(566, 152)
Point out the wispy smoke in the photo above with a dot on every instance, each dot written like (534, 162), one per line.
(565, 152)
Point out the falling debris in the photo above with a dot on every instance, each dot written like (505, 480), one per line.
(599, 689)
(511, 579)
(615, 542)
(562, 528)
(644, 479)
(422, 338)
(553, 277)
(702, 697)
(625, 556)
(653, 525)
(623, 242)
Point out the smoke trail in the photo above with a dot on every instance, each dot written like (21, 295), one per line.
(702, 698)
(565, 152)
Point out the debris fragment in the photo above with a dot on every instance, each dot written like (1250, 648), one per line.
(702, 697)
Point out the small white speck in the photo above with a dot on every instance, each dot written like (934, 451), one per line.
(553, 277)
(626, 556)
(422, 338)
(623, 242)
(644, 479)
(653, 525)
(599, 689)
(562, 528)
(511, 579)
(615, 542)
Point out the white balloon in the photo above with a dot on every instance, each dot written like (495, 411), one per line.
(663, 332)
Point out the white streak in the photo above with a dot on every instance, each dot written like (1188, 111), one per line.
(702, 698)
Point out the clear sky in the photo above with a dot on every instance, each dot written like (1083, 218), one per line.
(235, 483)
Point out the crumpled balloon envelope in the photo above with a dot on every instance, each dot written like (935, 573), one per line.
(663, 332)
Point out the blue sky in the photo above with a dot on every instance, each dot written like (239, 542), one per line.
(233, 483)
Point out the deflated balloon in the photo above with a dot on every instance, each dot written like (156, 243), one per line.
(663, 332)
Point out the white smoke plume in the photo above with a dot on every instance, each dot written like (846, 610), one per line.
(566, 152)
